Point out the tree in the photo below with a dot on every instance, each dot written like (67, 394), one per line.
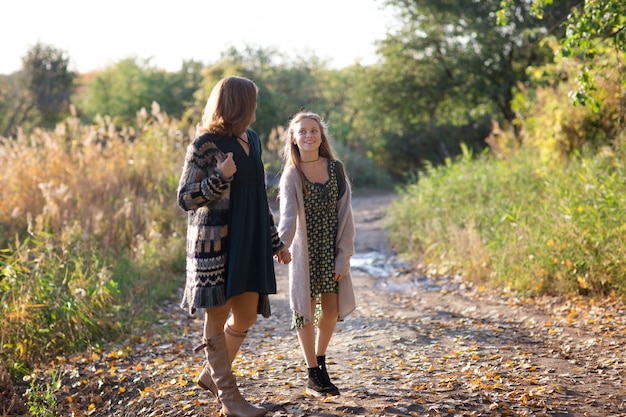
(448, 70)
(123, 89)
(38, 94)
(450, 61)
(181, 87)
(588, 23)
(15, 103)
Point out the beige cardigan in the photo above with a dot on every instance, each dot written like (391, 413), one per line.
(292, 231)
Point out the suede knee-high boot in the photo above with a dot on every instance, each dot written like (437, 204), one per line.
(234, 339)
(204, 379)
(233, 403)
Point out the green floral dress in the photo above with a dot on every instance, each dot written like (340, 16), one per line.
(320, 207)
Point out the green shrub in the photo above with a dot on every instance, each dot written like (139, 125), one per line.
(552, 125)
(519, 225)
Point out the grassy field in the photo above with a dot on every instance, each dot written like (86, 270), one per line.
(518, 224)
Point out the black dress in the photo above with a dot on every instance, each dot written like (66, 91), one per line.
(250, 266)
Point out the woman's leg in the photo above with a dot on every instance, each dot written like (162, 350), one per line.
(222, 379)
(327, 322)
(214, 319)
(243, 316)
(326, 327)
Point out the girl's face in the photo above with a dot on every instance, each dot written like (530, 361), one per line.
(308, 135)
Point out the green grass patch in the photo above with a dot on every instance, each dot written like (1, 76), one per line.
(517, 225)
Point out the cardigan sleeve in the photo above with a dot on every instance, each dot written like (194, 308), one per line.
(201, 182)
(344, 245)
(288, 199)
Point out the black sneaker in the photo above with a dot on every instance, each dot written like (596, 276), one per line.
(317, 385)
(321, 362)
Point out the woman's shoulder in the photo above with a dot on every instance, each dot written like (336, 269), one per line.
(340, 172)
(252, 133)
(337, 166)
(205, 140)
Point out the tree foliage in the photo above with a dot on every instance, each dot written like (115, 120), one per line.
(447, 71)
(450, 60)
(121, 90)
(589, 23)
(38, 94)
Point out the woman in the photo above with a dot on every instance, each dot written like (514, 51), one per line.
(231, 236)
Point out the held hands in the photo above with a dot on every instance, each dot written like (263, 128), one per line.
(283, 256)
(226, 164)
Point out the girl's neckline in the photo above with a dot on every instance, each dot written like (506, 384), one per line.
(323, 184)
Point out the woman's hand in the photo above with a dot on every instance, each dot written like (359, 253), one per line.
(338, 277)
(226, 164)
(283, 256)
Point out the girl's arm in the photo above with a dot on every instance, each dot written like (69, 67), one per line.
(288, 198)
(344, 245)
(201, 182)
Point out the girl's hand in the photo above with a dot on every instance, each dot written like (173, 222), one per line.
(226, 164)
(338, 277)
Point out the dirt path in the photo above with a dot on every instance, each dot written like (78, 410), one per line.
(452, 350)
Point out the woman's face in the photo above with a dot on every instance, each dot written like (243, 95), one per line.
(308, 135)
(254, 113)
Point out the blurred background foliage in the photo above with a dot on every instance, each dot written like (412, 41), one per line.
(499, 124)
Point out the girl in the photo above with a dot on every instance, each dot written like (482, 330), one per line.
(316, 225)
(231, 236)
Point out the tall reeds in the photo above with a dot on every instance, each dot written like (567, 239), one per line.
(90, 233)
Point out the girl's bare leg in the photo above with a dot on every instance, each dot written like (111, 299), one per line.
(306, 337)
(326, 323)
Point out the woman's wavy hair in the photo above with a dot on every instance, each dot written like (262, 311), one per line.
(231, 107)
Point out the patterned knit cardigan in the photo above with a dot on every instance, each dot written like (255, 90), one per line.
(204, 192)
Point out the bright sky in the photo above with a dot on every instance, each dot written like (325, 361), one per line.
(95, 33)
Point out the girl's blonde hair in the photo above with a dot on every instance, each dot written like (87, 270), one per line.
(290, 152)
(231, 107)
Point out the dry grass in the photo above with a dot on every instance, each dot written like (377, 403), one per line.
(89, 224)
